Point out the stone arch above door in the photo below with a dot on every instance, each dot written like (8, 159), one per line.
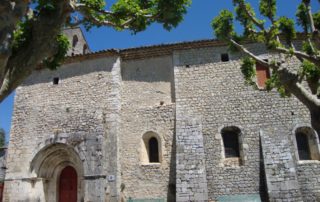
(48, 163)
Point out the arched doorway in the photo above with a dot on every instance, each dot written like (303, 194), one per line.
(51, 163)
(68, 185)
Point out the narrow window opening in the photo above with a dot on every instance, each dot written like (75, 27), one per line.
(303, 146)
(55, 80)
(153, 150)
(231, 144)
(263, 74)
(224, 57)
(85, 48)
(74, 40)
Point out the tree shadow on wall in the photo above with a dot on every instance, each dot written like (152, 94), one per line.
(171, 194)
(262, 178)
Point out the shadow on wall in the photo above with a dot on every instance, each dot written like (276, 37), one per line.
(158, 69)
(262, 178)
(171, 195)
(78, 68)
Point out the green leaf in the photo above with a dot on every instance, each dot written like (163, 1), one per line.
(268, 8)
(223, 25)
(306, 47)
(136, 15)
(302, 17)
(286, 26)
(2, 137)
(248, 69)
(310, 70)
(244, 20)
(316, 19)
(169, 13)
(63, 45)
(274, 82)
(21, 35)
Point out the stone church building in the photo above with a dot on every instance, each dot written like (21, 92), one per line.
(173, 122)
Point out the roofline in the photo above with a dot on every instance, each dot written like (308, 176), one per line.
(153, 50)
(146, 51)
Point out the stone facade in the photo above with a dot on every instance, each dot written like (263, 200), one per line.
(106, 106)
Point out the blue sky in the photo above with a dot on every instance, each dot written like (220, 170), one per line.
(195, 26)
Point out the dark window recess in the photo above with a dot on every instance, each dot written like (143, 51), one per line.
(56, 80)
(224, 57)
(303, 146)
(153, 150)
(231, 144)
(74, 40)
(85, 49)
(172, 188)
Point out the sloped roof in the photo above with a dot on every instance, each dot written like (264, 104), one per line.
(146, 51)
(154, 50)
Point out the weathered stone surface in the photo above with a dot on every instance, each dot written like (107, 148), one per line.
(96, 117)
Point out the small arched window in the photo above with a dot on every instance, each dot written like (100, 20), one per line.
(85, 49)
(153, 150)
(307, 144)
(231, 143)
(232, 146)
(303, 146)
(74, 40)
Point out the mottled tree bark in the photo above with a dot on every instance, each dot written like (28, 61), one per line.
(310, 100)
(11, 13)
(45, 28)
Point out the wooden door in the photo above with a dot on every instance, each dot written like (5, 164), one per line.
(68, 185)
(263, 75)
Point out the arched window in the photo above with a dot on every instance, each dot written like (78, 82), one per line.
(74, 40)
(231, 143)
(85, 49)
(153, 150)
(303, 146)
(232, 146)
(307, 144)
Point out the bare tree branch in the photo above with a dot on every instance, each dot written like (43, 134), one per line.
(292, 84)
(79, 7)
(251, 17)
(250, 54)
(314, 59)
(315, 33)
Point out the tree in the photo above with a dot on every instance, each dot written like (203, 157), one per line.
(2, 137)
(30, 30)
(279, 40)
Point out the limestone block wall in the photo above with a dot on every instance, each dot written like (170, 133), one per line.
(146, 107)
(46, 114)
(216, 93)
(191, 182)
(97, 116)
(282, 181)
(308, 178)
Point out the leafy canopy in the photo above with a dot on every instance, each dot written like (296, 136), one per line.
(134, 15)
(256, 30)
(2, 137)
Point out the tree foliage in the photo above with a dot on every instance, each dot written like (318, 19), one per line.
(278, 34)
(2, 137)
(31, 30)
